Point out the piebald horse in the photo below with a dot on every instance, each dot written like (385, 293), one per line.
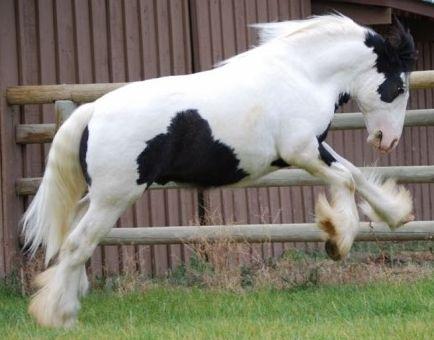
(267, 108)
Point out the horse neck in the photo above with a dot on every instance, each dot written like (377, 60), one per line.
(335, 63)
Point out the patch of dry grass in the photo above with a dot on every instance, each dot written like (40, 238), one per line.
(298, 268)
(235, 266)
(214, 266)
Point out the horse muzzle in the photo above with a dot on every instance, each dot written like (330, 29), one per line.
(384, 143)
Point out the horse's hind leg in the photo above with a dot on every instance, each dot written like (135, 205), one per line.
(82, 208)
(57, 302)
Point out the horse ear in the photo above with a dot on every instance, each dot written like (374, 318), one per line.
(396, 33)
(402, 42)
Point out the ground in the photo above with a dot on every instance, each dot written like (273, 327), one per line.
(380, 310)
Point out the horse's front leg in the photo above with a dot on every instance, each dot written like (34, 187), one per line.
(338, 218)
(383, 200)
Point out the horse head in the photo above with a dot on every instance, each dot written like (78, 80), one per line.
(382, 92)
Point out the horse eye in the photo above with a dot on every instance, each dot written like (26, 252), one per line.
(400, 90)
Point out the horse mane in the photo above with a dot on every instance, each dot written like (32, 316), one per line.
(396, 51)
(399, 44)
(330, 23)
(401, 40)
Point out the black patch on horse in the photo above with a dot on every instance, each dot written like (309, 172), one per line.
(342, 99)
(82, 155)
(395, 55)
(326, 156)
(323, 153)
(321, 138)
(188, 153)
(280, 163)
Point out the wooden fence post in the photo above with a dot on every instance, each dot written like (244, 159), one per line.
(63, 109)
(11, 206)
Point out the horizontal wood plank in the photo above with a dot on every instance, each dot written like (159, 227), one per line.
(284, 177)
(44, 133)
(250, 233)
(35, 133)
(353, 121)
(83, 93)
(45, 94)
(422, 79)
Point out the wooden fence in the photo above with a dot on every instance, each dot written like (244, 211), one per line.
(65, 98)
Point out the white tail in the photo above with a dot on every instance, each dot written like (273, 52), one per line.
(48, 219)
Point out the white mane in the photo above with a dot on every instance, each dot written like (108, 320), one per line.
(328, 24)
(316, 25)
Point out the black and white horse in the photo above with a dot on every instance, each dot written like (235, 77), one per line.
(263, 109)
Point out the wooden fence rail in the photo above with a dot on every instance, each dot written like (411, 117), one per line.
(83, 93)
(284, 177)
(44, 133)
(251, 233)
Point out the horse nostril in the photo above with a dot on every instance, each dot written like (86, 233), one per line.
(393, 143)
(379, 135)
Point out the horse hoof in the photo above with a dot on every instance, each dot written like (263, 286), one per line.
(332, 250)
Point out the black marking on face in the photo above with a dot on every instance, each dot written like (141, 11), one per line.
(323, 153)
(387, 63)
(280, 163)
(188, 153)
(82, 155)
(391, 88)
(395, 55)
(342, 99)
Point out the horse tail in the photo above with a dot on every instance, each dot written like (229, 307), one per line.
(48, 219)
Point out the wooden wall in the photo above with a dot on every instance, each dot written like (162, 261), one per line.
(79, 41)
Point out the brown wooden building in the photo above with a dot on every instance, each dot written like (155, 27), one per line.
(88, 41)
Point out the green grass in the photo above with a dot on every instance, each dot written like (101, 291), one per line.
(381, 310)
